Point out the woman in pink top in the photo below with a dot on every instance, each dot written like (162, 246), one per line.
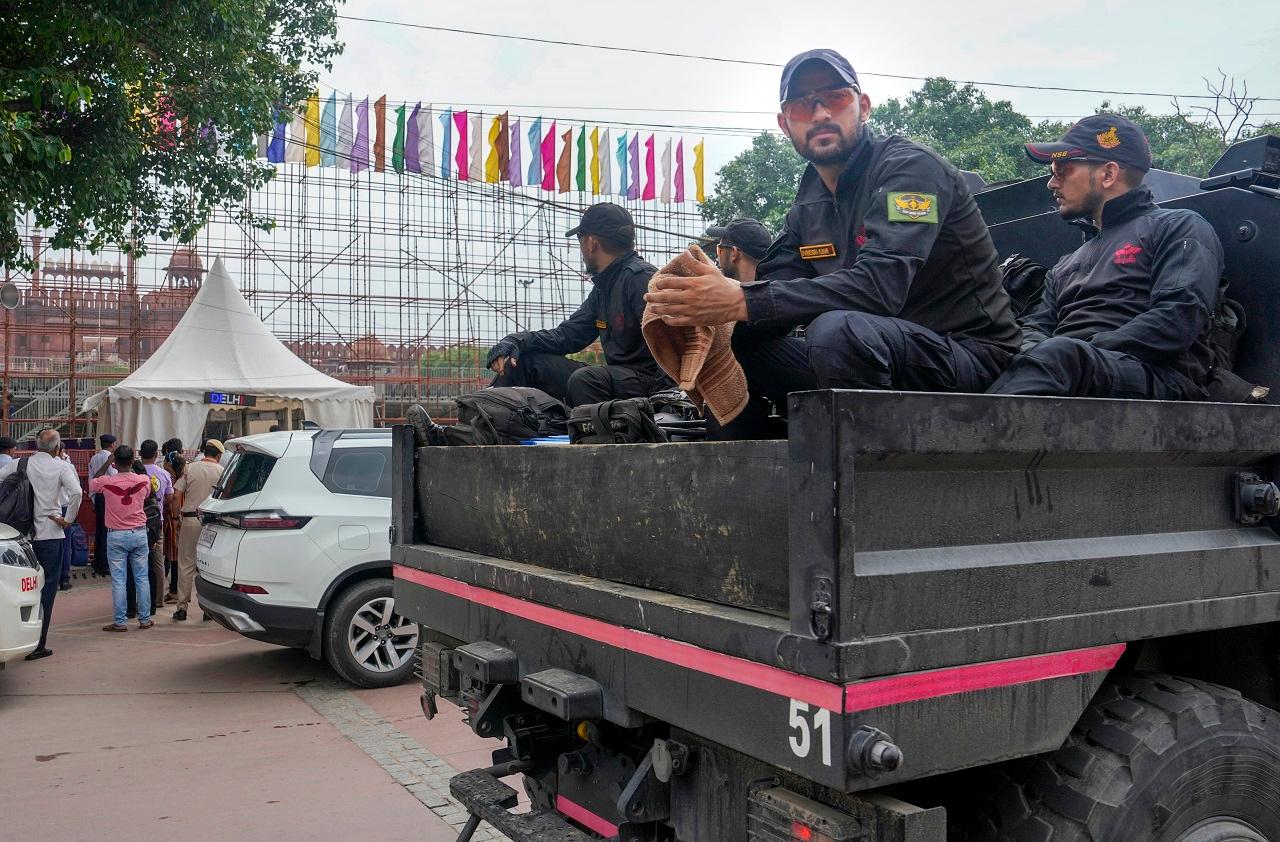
(124, 493)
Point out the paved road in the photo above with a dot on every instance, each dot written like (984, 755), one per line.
(189, 731)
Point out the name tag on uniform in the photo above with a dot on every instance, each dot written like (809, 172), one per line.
(600, 325)
(817, 251)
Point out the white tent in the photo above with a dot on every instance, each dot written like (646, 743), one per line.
(221, 345)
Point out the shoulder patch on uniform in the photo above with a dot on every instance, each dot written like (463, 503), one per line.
(600, 324)
(817, 251)
(913, 207)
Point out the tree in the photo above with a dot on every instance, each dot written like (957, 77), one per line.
(758, 184)
(123, 119)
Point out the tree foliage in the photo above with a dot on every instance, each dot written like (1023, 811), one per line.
(758, 184)
(123, 119)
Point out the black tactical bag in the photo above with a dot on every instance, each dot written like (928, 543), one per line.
(506, 415)
(623, 421)
(17, 500)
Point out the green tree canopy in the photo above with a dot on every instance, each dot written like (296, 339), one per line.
(758, 184)
(123, 119)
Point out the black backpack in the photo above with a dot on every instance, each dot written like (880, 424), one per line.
(18, 500)
(151, 506)
(506, 415)
(622, 421)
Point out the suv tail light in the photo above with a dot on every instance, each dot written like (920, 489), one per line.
(270, 519)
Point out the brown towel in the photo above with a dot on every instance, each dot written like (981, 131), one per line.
(700, 359)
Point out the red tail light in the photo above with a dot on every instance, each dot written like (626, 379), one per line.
(262, 520)
(254, 589)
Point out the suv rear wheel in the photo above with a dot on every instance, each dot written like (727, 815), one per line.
(365, 640)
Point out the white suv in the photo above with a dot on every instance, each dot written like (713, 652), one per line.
(21, 579)
(294, 550)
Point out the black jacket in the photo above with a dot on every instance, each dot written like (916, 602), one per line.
(612, 312)
(1145, 285)
(902, 237)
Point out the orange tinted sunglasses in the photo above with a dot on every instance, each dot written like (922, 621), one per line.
(834, 100)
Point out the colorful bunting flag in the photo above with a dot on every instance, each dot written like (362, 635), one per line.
(380, 134)
(427, 142)
(562, 166)
(446, 147)
(345, 138)
(313, 130)
(581, 171)
(460, 154)
(297, 149)
(477, 145)
(595, 160)
(515, 168)
(360, 146)
(275, 149)
(504, 146)
(492, 166)
(548, 163)
(397, 145)
(697, 172)
(649, 184)
(606, 180)
(623, 181)
(328, 132)
(633, 191)
(412, 162)
(680, 171)
(665, 196)
(534, 178)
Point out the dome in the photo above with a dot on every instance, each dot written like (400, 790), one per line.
(185, 260)
(369, 349)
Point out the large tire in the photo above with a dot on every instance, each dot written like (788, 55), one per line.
(365, 641)
(1153, 759)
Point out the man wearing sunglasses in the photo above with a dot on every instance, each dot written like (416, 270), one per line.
(884, 259)
(1127, 314)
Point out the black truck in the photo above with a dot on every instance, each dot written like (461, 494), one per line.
(921, 617)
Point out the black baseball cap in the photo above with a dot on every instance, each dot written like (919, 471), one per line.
(1105, 137)
(107, 438)
(607, 220)
(831, 58)
(7, 443)
(747, 234)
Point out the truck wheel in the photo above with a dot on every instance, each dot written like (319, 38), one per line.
(1154, 759)
(365, 640)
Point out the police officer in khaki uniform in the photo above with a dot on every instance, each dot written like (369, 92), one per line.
(192, 489)
(885, 260)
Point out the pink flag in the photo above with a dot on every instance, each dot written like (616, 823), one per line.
(460, 156)
(549, 159)
(680, 170)
(650, 189)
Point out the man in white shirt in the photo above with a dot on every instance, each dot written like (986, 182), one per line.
(7, 447)
(50, 477)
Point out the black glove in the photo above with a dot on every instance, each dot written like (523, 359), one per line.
(508, 347)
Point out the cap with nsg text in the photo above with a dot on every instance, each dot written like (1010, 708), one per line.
(1102, 137)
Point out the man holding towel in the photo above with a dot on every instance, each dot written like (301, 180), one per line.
(884, 259)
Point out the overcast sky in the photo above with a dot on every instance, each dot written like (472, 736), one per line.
(1130, 45)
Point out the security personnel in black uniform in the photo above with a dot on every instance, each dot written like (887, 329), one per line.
(1127, 314)
(884, 258)
(613, 309)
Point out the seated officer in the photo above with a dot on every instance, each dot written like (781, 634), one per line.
(739, 247)
(606, 236)
(884, 257)
(1127, 314)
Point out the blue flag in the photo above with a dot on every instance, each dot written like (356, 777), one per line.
(275, 149)
(446, 122)
(329, 132)
(535, 156)
(622, 165)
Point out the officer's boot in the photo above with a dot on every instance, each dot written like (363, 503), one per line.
(426, 432)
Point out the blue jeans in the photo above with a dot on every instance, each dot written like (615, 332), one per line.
(129, 547)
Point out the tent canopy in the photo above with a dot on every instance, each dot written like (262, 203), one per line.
(221, 345)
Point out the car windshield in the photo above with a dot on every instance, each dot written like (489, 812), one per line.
(246, 473)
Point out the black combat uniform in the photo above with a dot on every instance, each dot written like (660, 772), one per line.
(612, 312)
(1127, 314)
(895, 278)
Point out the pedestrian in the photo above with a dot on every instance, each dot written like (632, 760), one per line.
(7, 447)
(68, 549)
(125, 494)
(740, 246)
(49, 477)
(192, 489)
(174, 463)
(149, 451)
(100, 465)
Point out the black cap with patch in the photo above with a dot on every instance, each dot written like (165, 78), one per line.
(606, 220)
(831, 58)
(747, 234)
(1104, 137)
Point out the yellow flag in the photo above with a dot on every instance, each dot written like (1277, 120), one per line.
(595, 161)
(313, 130)
(699, 193)
(492, 171)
